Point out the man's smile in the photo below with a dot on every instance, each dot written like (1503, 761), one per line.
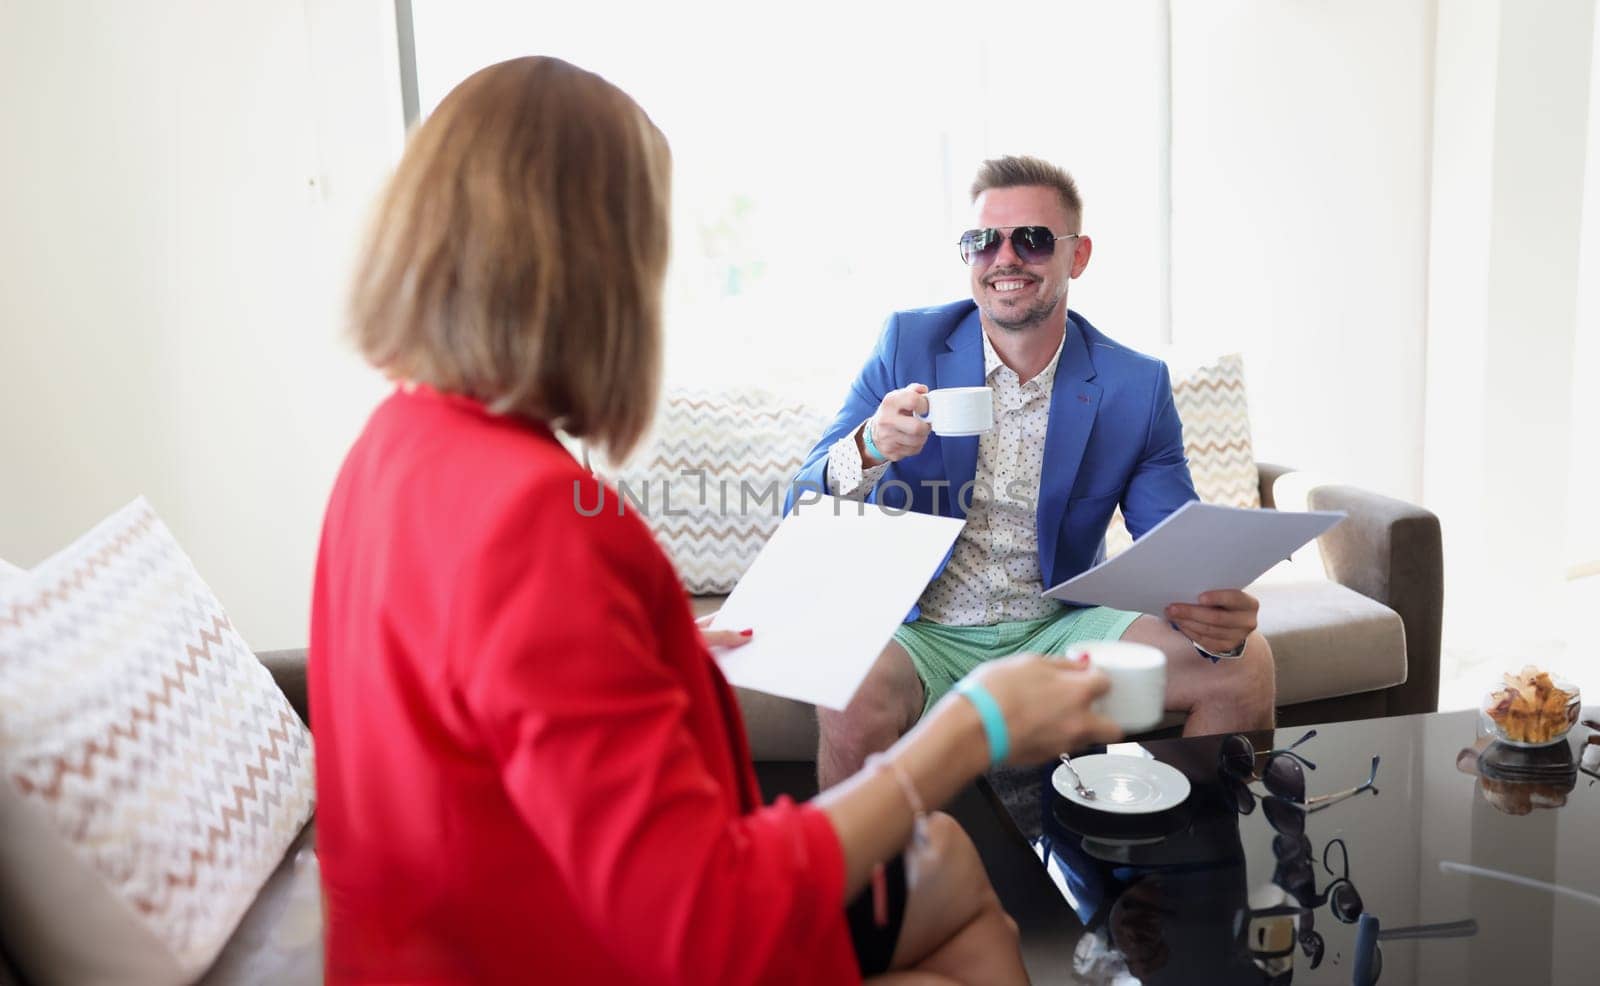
(1006, 283)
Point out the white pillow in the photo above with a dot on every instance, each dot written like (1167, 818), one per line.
(7, 570)
(1212, 405)
(152, 775)
(711, 476)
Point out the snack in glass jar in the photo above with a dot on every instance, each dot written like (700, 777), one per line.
(1532, 708)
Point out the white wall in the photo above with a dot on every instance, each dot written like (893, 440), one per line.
(181, 185)
(1508, 435)
(1462, 188)
(1099, 108)
(1299, 221)
(848, 135)
(1583, 488)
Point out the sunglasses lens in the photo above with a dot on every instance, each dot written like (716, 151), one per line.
(1285, 778)
(1284, 818)
(1244, 802)
(1238, 758)
(979, 245)
(1033, 243)
(1286, 847)
(1294, 876)
(1314, 946)
(1346, 903)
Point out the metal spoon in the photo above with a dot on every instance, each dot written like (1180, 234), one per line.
(1084, 792)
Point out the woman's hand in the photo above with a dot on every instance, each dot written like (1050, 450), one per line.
(1047, 703)
(721, 638)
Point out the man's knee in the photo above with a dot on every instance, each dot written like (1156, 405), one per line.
(1259, 674)
(889, 699)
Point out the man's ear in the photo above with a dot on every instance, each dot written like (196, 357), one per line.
(1082, 248)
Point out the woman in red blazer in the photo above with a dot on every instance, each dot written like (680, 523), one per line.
(528, 765)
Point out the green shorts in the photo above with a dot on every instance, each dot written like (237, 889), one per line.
(943, 654)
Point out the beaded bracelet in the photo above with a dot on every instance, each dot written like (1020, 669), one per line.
(919, 831)
(919, 811)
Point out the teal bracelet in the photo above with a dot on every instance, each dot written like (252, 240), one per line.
(994, 724)
(872, 447)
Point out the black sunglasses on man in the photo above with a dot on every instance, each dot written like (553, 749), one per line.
(1033, 244)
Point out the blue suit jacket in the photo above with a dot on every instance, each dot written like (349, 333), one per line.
(1114, 435)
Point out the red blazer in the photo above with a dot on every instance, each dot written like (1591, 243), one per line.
(529, 768)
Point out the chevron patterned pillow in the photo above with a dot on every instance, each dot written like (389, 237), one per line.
(711, 477)
(152, 775)
(1216, 439)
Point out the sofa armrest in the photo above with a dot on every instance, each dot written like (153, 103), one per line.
(288, 669)
(1269, 474)
(1390, 551)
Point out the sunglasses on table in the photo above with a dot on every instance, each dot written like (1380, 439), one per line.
(1237, 758)
(1286, 805)
(1295, 876)
(1032, 244)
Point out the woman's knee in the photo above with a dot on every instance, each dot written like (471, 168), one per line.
(950, 859)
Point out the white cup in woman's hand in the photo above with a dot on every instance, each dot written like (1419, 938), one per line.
(1138, 674)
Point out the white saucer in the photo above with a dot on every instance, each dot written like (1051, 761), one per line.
(1123, 785)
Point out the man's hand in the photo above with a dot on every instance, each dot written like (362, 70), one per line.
(896, 429)
(1221, 621)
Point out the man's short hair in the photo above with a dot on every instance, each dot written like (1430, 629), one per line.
(1016, 171)
(519, 252)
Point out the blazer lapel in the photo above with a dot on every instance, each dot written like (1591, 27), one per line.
(1074, 401)
(960, 366)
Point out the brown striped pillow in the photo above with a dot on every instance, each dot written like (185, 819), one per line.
(152, 775)
(711, 477)
(1216, 439)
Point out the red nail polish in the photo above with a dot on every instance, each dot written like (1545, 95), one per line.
(746, 633)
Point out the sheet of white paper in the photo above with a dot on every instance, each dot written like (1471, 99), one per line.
(1199, 547)
(825, 594)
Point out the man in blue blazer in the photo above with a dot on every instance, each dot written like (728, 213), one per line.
(1081, 425)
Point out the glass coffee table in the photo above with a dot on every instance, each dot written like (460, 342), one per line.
(1464, 862)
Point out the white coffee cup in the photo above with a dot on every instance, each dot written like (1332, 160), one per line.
(958, 411)
(1138, 674)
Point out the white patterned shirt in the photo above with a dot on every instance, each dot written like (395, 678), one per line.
(993, 574)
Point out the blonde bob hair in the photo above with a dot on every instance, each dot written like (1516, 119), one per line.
(518, 253)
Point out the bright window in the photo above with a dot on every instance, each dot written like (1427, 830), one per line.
(822, 154)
